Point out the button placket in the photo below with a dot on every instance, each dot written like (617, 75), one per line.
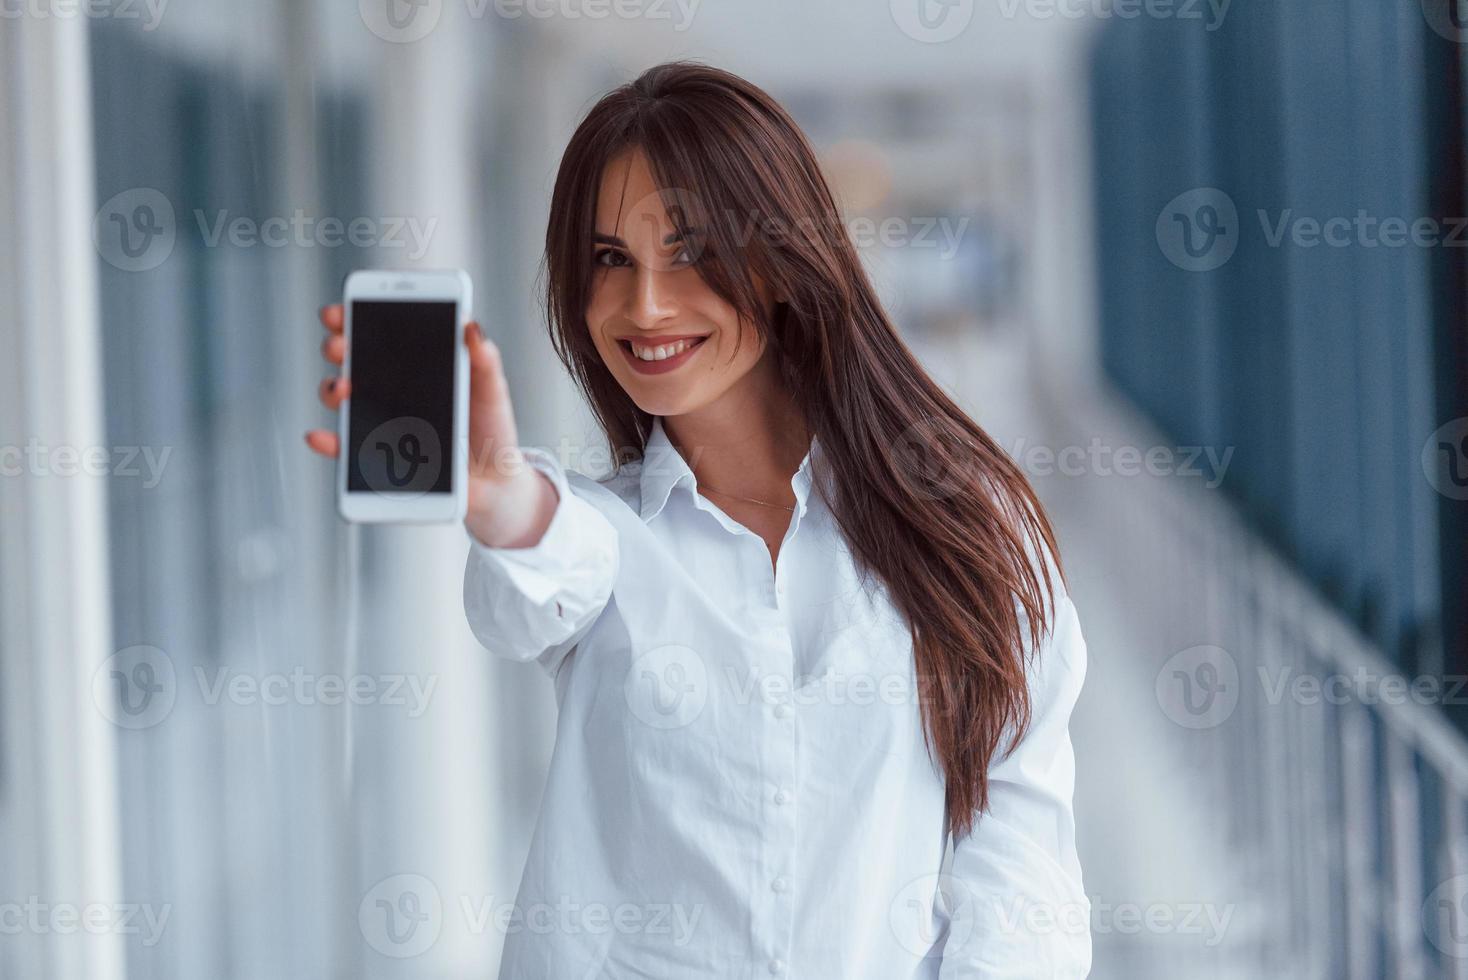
(781, 757)
(775, 909)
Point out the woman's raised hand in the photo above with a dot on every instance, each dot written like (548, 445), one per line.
(510, 503)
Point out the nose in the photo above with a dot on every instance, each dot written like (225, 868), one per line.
(651, 302)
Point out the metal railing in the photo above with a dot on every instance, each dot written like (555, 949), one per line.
(1339, 787)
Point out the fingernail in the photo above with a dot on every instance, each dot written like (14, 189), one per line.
(478, 334)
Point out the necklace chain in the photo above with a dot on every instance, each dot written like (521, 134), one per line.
(750, 500)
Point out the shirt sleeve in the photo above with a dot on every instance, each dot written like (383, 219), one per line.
(1018, 906)
(536, 603)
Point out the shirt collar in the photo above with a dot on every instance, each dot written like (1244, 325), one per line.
(664, 469)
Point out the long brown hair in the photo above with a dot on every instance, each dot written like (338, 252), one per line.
(927, 502)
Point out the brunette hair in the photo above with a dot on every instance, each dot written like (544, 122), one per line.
(926, 501)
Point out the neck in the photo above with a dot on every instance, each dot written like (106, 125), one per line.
(750, 441)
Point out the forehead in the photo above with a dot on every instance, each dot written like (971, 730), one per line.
(629, 203)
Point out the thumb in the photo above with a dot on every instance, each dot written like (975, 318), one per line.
(491, 417)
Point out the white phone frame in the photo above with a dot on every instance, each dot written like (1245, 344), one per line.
(373, 507)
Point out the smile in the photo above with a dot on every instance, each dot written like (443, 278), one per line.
(660, 358)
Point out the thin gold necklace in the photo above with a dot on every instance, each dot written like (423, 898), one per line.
(751, 500)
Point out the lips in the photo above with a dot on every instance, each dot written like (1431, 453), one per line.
(658, 355)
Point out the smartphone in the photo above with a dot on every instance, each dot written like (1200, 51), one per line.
(404, 427)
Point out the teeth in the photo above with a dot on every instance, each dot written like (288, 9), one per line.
(661, 352)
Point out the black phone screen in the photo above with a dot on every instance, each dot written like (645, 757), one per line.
(400, 416)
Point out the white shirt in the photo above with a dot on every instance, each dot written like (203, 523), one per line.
(740, 786)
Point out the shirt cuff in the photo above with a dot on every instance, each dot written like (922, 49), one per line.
(523, 602)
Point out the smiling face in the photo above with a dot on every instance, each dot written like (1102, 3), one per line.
(672, 343)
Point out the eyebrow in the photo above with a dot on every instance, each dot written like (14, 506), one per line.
(672, 239)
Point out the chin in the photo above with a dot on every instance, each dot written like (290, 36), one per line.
(666, 404)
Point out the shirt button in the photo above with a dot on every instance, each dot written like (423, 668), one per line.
(781, 884)
(782, 797)
(782, 711)
(777, 967)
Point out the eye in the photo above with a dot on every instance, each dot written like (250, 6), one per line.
(609, 258)
(691, 249)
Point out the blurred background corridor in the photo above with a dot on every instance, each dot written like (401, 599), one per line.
(1197, 264)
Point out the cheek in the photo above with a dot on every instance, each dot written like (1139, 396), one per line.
(601, 308)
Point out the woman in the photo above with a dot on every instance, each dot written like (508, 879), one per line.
(814, 677)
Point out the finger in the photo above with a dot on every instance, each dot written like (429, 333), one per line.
(334, 348)
(333, 317)
(323, 442)
(334, 391)
(491, 419)
(487, 379)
